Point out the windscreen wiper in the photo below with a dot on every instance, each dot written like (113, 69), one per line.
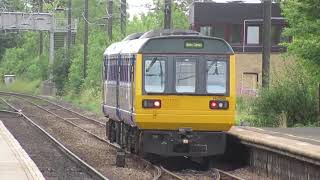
(151, 64)
(185, 78)
(216, 72)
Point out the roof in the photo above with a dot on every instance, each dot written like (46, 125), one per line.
(206, 13)
(125, 47)
(169, 44)
(168, 41)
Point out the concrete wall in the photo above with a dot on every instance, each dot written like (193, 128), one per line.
(249, 70)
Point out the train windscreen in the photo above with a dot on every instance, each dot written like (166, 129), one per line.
(186, 74)
(216, 76)
(155, 71)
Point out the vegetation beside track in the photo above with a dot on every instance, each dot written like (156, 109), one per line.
(292, 100)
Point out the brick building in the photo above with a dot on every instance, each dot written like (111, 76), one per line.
(240, 24)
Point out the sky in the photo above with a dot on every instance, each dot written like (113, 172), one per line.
(137, 7)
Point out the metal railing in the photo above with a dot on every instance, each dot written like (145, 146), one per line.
(61, 25)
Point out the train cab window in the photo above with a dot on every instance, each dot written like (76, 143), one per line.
(155, 73)
(185, 75)
(216, 76)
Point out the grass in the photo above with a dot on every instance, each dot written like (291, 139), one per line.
(22, 86)
(87, 100)
(243, 110)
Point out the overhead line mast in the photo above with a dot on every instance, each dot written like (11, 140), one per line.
(109, 18)
(69, 33)
(40, 33)
(266, 43)
(167, 14)
(86, 34)
(123, 9)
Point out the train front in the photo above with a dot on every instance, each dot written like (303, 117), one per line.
(185, 95)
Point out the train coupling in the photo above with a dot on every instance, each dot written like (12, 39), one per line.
(185, 135)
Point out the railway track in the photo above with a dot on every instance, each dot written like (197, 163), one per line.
(86, 167)
(213, 173)
(90, 126)
(96, 129)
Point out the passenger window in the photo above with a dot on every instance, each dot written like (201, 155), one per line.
(185, 75)
(155, 73)
(112, 70)
(216, 76)
(124, 70)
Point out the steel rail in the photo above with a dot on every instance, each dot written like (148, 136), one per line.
(158, 173)
(229, 176)
(5, 111)
(90, 170)
(171, 173)
(53, 103)
(215, 174)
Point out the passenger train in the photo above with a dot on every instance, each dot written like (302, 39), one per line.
(170, 93)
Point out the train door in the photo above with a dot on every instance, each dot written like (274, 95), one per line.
(110, 86)
(124, 95)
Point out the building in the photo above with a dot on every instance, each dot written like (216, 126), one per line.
(240, 24)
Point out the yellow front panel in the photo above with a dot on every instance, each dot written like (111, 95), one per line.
(183, 111)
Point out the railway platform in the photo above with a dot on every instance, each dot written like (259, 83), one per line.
(279, 153)
(304, 142)
(15, 163)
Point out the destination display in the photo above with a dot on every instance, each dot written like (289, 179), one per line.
(193, 44)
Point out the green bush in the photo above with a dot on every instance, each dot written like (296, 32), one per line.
(244, 108)
(23, 60)
(292, 98)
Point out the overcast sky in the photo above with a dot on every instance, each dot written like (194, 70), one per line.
(137, 7)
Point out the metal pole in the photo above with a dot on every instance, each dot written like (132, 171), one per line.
(69, 33)
(86, 34)
(266, 43)
(244, 35)
(40, 33)
(110, 17)
(123, 13)
(167, 14)
(51, 54)
(318, 108)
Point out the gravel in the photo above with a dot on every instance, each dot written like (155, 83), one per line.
(50, 160)
(98, 154)
(80, 110)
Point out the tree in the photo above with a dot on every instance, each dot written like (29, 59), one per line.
(304, 26)
(8, 39)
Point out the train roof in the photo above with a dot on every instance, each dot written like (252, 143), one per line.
(169, 42)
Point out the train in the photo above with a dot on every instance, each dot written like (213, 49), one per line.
(169, 93)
